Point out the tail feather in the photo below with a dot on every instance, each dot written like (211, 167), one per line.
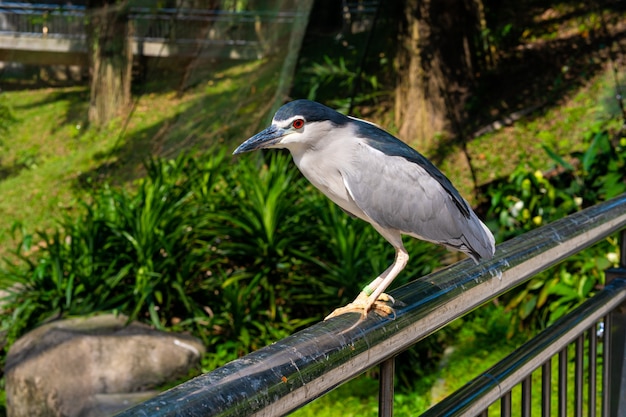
(479, 241)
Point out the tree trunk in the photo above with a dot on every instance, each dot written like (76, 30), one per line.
(111, 57)
(435, 63)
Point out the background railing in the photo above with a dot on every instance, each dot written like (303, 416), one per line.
(294, 371)
(55, 34)
(164, 24)
(23, 18)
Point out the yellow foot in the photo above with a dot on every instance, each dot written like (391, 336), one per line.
(382, 306)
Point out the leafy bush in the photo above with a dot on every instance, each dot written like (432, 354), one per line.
(531, 198)
(138, 252)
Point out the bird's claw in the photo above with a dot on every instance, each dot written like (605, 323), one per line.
(362, 305)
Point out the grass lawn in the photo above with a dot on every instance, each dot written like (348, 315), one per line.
(49, 155)
(562, 127)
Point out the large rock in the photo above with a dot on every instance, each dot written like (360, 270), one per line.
(73, 367)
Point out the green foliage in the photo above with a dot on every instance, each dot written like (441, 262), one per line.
(134, 252)
(259, 227)
(552, 294)
(529, 199)
(599, 171)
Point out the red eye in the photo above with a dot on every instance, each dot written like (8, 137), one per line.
(298, 124)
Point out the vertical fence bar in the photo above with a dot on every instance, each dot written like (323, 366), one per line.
(606, 360)
(505, 405)
(385, 387)
(617, 330)
(617, 364)
(563, 383)
(527, 396)
(622, 250)
(578, 376)
(546, 388)
(593, 370)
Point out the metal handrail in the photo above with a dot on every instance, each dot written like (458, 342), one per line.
(294, 371)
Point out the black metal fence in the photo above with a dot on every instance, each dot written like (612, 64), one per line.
(43, 20)
(598, 322)
(298, 369)
(165, 24)
(49, 34)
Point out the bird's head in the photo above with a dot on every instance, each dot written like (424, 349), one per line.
(297, 123)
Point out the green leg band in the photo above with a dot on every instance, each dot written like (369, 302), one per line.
(367, 290)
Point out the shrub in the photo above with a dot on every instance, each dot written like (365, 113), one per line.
(137, 252)
(531, 198)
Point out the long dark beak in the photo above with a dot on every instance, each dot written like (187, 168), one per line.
(264, 139)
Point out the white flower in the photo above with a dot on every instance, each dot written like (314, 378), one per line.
(516, 208)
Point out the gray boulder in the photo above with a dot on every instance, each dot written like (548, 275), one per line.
(93, 366)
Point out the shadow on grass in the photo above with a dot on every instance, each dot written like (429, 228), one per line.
(544, 52)
(543, 59)
(78, 103)
(226, 114)
(11, 170)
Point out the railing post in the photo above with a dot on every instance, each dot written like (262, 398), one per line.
(385, 387)
(617, 318)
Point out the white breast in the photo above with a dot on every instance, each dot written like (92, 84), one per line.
(323, 165)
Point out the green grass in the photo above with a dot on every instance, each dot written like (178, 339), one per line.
(49, 154)
(562, 126)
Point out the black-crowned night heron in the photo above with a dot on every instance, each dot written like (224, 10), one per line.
(376, 177)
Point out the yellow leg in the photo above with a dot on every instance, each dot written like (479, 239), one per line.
(362, 305)
(372, 297)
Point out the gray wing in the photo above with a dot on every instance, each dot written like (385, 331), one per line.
(398, 193)
(390, 145)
